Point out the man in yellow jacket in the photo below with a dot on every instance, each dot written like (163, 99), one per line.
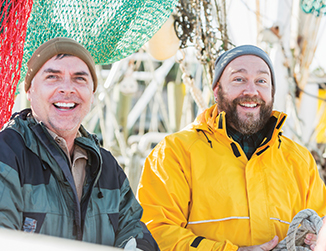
(230, 180)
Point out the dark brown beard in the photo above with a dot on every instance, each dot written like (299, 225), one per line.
(249, 125)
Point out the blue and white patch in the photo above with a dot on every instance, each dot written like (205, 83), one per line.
(29, 225)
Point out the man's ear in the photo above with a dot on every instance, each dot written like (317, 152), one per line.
(28, 94)
(215, 91)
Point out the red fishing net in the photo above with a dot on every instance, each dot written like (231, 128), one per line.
(13, 22)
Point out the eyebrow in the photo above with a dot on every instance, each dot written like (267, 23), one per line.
(245, 71)
(263, 72)
(239, 70)
(50, 70)
(79, 73)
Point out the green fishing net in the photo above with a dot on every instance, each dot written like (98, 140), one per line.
(314, 6)
(110, 29)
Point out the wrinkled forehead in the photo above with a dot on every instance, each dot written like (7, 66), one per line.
(65, 62)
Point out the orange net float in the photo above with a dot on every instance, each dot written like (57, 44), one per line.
(14, 15)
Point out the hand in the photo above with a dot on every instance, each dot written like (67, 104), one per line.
(311, 240)
(131, 245)
(263, 247)
(321, 242)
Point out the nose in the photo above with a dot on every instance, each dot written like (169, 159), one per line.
(66, 86)
(250, 89)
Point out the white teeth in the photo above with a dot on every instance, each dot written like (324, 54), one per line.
(69, 105)
(249, 105)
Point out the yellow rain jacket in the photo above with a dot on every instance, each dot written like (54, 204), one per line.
(200, 192)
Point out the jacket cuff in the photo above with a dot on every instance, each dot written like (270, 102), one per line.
(206, 244)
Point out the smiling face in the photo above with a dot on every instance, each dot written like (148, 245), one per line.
(61, 94)
(244, 92)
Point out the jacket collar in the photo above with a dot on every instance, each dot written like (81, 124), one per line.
(23, 122)
(215, 123)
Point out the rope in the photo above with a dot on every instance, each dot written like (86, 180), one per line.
(189, 81)
(294, 241)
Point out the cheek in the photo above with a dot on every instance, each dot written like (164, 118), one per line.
(39, 97)
(267, 95)
(87, 98)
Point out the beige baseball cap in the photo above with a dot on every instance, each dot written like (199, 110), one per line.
(53, 47)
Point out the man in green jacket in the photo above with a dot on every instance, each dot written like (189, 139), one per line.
(55, 179)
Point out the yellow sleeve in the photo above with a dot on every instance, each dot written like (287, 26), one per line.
(165, 194)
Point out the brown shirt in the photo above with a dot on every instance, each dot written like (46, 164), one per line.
(77, 161)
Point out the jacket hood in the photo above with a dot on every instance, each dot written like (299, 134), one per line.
(208, 119)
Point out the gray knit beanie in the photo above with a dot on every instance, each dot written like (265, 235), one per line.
(223, 60)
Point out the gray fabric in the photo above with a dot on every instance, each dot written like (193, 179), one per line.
(223, 60)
